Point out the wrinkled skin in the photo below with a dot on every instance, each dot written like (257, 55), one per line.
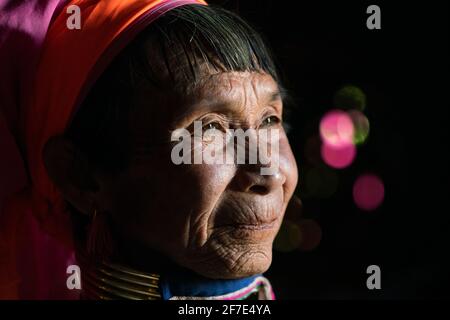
(218, 220)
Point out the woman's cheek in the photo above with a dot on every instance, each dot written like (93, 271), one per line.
(288, 166)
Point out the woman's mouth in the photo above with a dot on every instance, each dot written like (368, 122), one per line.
(252, 226)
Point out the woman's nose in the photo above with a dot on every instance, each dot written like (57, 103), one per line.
(259, 173)
(250, 180)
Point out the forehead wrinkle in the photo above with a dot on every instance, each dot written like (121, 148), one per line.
(239, 87)
(231, 92)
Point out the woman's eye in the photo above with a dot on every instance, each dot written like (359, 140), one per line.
(212, 126)
(270, 121)
(212, 131)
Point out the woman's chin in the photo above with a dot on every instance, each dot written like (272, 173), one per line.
(235, 265)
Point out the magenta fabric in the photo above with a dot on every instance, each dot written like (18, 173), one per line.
(40, 259)
(33, 264)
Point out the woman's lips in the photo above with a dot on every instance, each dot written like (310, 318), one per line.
(250, 226)
(249, 216)
(254, 232)
(253, 226)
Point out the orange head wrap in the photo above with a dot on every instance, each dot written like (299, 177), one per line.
(70, 62)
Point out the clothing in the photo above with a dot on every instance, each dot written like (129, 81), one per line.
(47, 70)
(107, 280)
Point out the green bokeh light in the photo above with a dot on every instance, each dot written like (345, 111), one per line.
(350, 97)
(288, 238)
(320, 182)
(361, 126)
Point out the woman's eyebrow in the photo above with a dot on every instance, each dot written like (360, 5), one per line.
(275, 96)
(216, 102)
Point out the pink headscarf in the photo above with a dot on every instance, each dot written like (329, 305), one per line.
(46, 71)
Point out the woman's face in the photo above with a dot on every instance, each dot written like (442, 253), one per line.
(218, 220)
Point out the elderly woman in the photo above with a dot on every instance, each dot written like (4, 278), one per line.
(98, 140)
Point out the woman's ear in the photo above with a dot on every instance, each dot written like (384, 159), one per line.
(71, 173)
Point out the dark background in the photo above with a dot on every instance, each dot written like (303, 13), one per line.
(403, 70)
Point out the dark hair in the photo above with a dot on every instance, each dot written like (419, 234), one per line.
(168, 55)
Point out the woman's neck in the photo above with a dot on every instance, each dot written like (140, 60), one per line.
(135, 272)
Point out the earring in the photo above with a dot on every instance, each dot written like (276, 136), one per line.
(99, 243)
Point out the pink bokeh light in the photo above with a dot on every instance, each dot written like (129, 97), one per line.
(368, 192)
(336, 128)
(338, 157)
